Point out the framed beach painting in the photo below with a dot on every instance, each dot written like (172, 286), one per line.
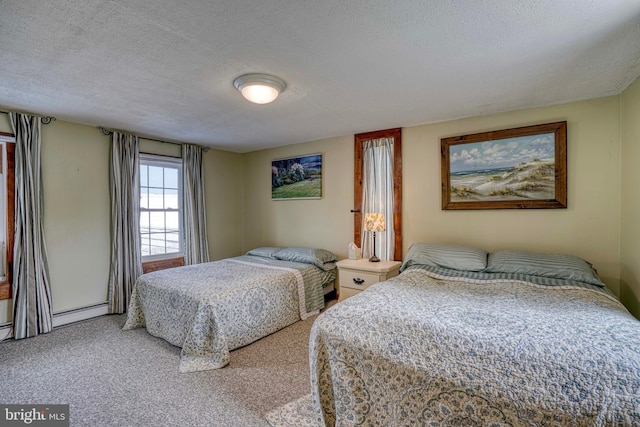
(520, 168)
(295, 178)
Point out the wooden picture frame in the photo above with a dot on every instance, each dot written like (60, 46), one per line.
(520, 168)
(295, 178)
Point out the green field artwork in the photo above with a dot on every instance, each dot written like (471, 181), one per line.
(297, 178)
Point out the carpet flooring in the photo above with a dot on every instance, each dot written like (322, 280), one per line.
(111, 377)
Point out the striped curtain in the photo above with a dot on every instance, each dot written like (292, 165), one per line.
(377, 196)
(32, 308)
(126, 258)
(196, 247)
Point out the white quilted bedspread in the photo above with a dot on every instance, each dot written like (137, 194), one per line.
(416, 350)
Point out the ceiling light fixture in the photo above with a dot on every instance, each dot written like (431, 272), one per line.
(259, 88)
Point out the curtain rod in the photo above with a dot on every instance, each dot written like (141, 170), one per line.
(44, 119)
(106, 131)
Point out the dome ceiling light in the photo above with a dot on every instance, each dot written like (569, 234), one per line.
(259, 88)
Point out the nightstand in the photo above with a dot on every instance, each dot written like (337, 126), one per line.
(356, 275)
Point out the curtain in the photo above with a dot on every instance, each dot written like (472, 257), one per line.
(32, 312)
(126, 263)
(196, 247)
(377, 196)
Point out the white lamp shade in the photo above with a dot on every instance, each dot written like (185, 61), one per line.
(259, 88)
(374, 222)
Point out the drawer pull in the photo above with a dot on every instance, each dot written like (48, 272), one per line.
(358, 281)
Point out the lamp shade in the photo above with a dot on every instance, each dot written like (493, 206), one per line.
(374, 222)
(259, 88)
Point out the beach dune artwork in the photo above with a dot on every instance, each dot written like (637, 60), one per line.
(519, 168)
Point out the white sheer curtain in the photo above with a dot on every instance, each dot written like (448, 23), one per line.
(196, 247)
(32, 313)
(126, 257)
(377, 195)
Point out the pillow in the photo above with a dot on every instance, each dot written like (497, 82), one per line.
(482, 277)
(446, 256)
(558, 266)
(265, 251)
(321, 258)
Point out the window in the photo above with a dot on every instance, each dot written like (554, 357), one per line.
(160, 207)
(7, 183)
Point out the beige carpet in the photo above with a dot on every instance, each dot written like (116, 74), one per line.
(111, 377)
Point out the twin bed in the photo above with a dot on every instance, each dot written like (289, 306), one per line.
(466, 338)
(212, 308)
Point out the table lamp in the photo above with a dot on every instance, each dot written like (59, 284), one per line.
(374, 222)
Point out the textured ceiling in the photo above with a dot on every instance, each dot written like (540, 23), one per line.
(165, 68)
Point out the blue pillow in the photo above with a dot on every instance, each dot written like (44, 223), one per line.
(265, 251)
(321, 258)
(447, 256)
(557, 266)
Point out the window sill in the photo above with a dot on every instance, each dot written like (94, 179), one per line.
(5, 291)
(162, 264)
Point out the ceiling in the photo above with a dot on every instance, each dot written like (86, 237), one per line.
(165, 69)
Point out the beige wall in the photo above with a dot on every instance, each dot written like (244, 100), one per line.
(75, 165)
(75, 170)
(630, 227)
(588, 228)
(325, 223)
(241, 214)
(223, 193)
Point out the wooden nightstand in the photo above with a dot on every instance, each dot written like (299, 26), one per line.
(355, 275)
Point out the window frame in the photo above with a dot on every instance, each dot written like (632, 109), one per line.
(7, 140)
(165, 162)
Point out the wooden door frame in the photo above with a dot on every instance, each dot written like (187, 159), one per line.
(359, 139)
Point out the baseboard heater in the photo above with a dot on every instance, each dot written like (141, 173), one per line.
(65, 317)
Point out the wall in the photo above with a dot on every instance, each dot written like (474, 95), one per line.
(241, 214)
(325, 223)
(75, 166)
(223, 194)
(75, 172)
(588, 228)
(630, 226)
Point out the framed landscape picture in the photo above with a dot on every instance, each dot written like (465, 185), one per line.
(520, 168)
(297, 178)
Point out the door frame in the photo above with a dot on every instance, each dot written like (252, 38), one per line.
(359, 139)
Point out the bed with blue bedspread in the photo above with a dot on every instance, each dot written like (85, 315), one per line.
(466, 338)
(212, 308)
